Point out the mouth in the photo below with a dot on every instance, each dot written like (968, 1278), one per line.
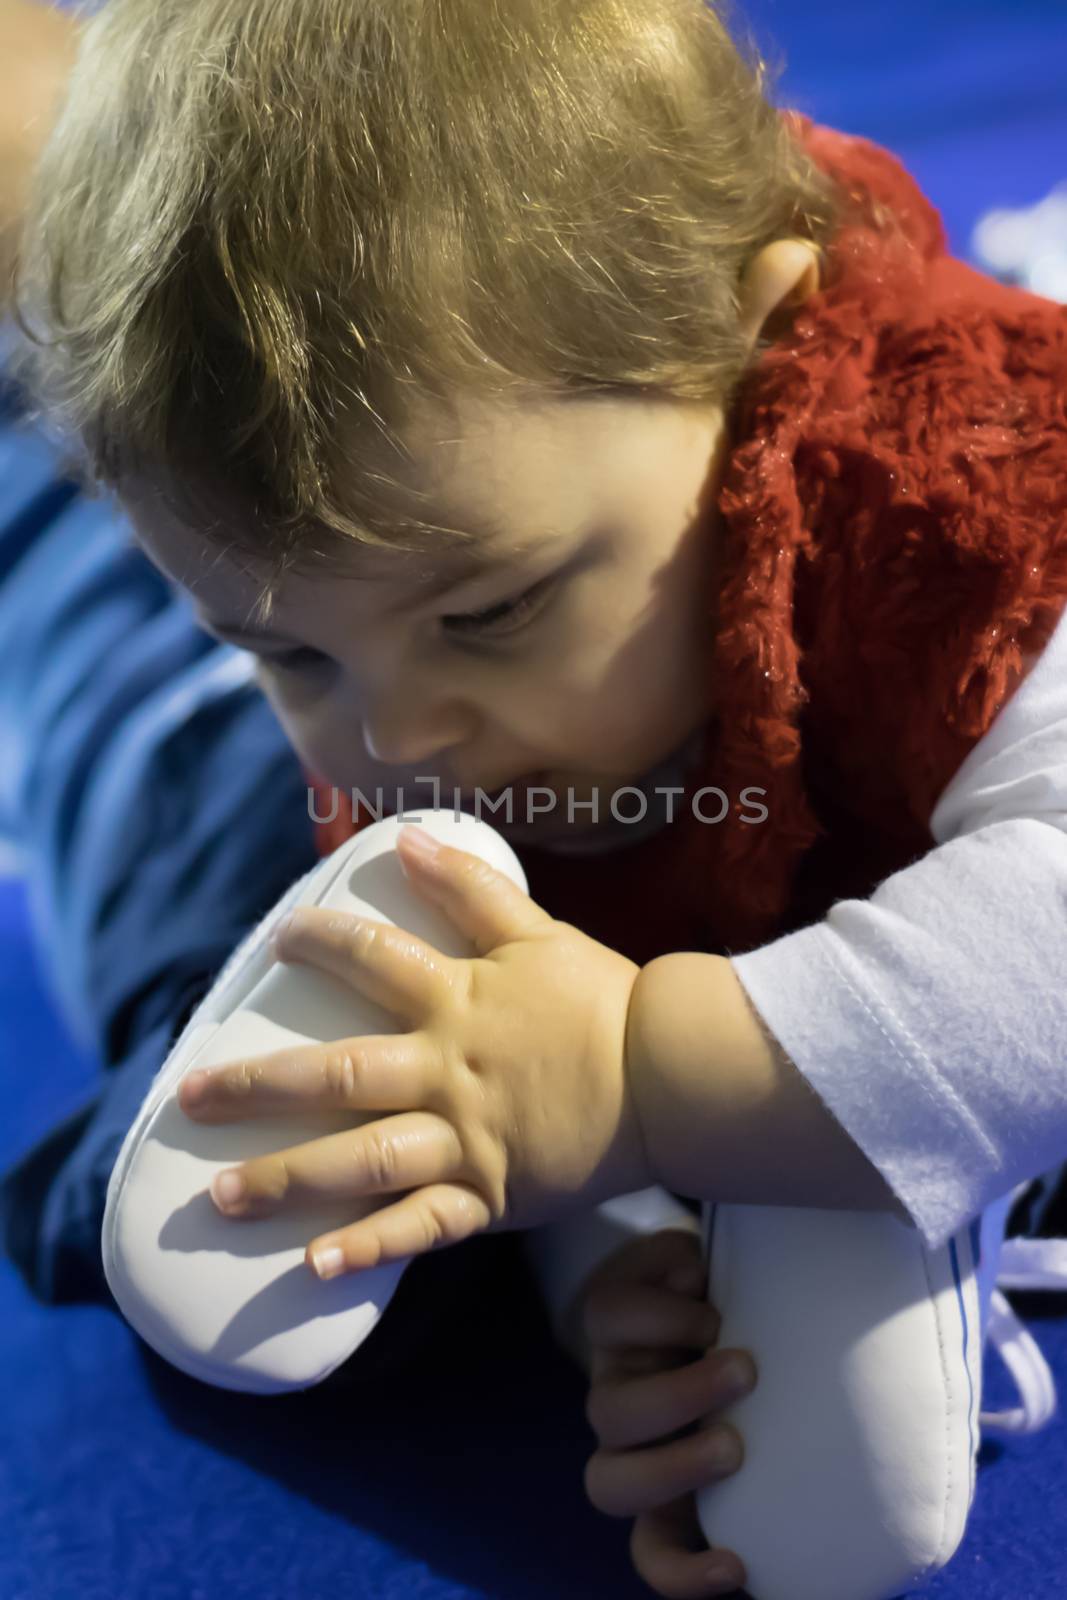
(516, 786)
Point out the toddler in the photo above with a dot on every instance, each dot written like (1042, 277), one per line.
(561, 426)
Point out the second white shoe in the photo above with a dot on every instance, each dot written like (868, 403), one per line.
(862, 1435)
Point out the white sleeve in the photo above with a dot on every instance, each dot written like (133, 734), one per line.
(931, 1018)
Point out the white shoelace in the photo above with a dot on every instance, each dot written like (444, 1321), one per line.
(1024, 1264)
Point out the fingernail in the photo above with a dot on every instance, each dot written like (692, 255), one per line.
(735, 1378)
(328, 1263)
(419, 842)
(194, 1087)
(281, 927)
(228, 1188)
(722, 1449)
(722, 1573)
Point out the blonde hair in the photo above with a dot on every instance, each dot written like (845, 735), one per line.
(262, 228)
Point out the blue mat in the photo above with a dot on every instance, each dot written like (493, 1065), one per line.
(445, 1462)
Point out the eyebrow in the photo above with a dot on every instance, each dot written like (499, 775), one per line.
(479, 563)
(237, 632)
(232, 628)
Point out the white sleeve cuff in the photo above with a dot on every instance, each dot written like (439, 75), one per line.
(864, 1065)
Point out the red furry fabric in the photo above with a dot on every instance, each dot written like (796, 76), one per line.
(893, 527)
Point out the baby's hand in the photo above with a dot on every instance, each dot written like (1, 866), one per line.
(507, 1102)
(644, 1315)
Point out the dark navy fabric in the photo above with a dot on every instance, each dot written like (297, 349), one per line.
(159, 810)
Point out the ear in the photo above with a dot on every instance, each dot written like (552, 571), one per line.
(782, 276)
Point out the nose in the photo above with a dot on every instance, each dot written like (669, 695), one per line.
(404, 732)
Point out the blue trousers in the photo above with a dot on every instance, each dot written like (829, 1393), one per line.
(157, 804)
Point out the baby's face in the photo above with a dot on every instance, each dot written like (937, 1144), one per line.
(573, 642)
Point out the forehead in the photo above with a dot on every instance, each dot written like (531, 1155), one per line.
(504, 475)
(228, 586)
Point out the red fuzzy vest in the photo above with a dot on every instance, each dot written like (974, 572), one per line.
(893, 517)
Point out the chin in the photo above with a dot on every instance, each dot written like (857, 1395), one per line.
(548, 826)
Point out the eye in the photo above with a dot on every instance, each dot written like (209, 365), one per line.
(504, 618)
(303, 659)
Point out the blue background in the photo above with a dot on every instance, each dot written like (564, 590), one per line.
(119, 1476)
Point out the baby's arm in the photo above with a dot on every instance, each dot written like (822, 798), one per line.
(725, 1112)
(929, 1020)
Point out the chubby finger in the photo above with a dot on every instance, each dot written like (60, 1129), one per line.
(614, 1364)
(394, 968)
(484, 904)
(431, 1219)
(368, 1072)
(619, 1315)
(623, 1412)
(622, 1483)
(670, 1553)
(671, 1257)
(380, 1158)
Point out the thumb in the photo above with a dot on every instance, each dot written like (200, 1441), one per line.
(483, 903)
(655, 1258)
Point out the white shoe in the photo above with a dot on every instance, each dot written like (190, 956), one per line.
(862, 1434)
(233, 1302)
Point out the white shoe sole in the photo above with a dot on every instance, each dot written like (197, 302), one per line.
(233, 1302)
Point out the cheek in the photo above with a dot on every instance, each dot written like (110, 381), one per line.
(644, 700)
(308, 724)
(634, 672)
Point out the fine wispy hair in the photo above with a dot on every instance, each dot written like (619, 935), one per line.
(262, 230)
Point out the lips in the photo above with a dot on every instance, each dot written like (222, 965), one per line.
(518, 788)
